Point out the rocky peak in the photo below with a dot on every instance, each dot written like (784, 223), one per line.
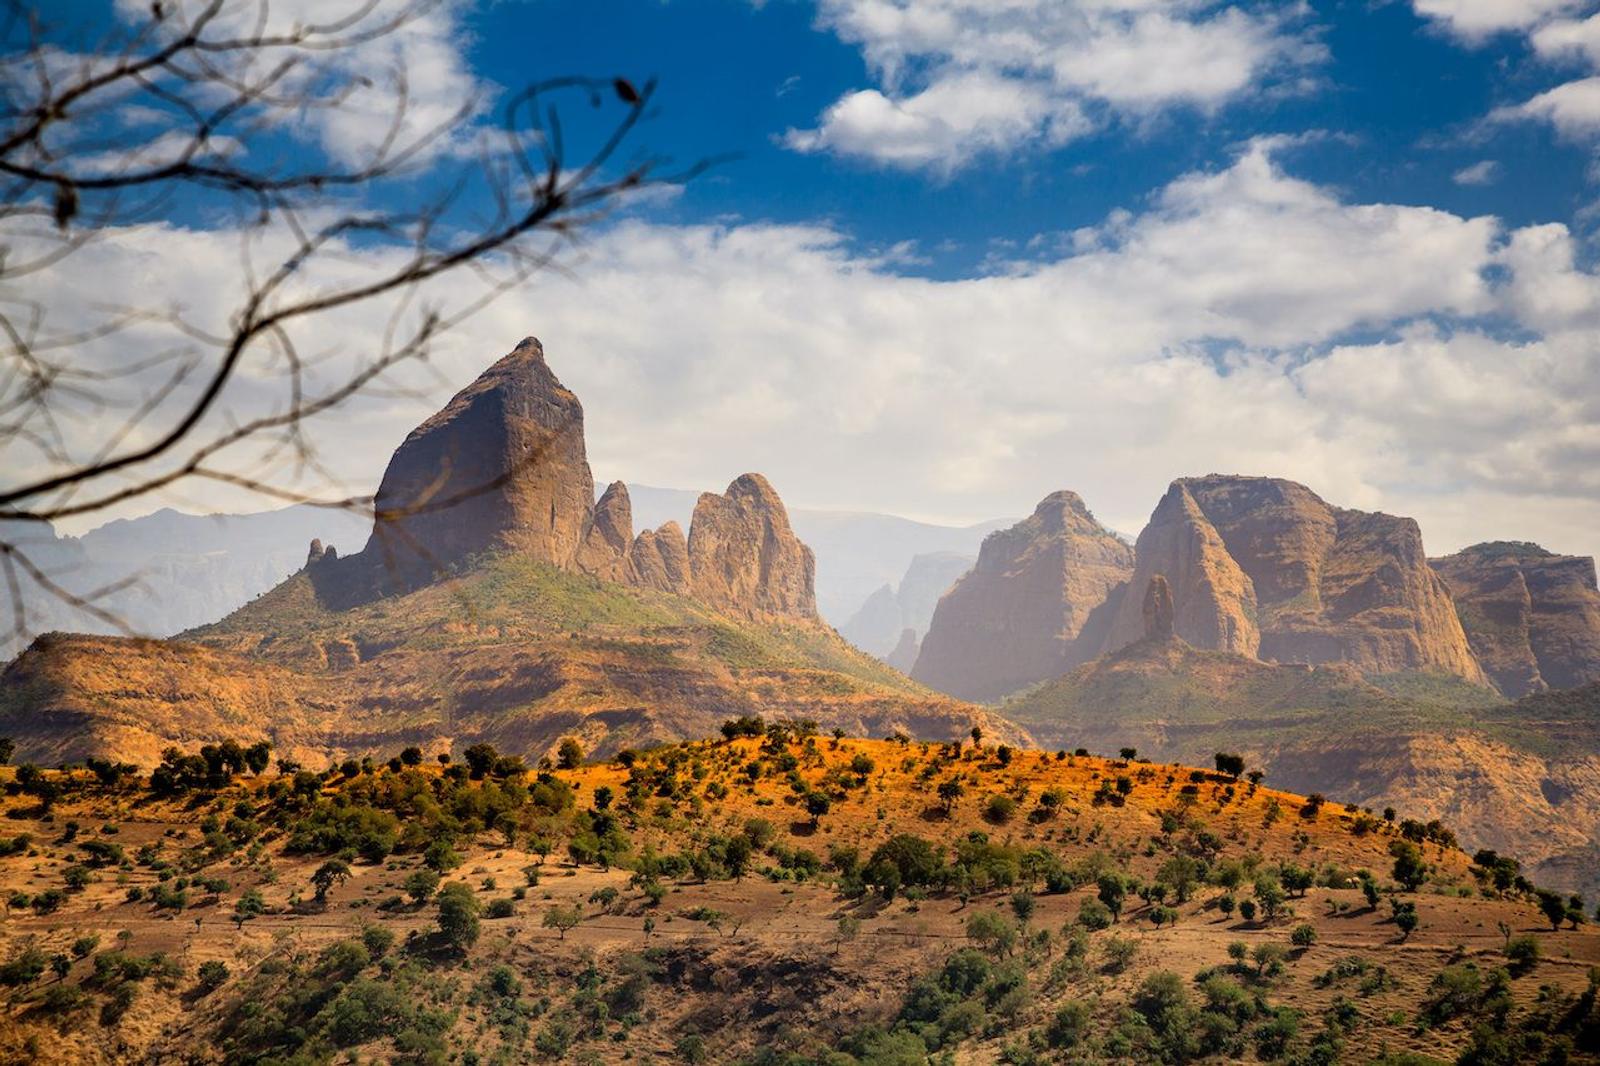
(745, 558)
(608, 540)
(1531, 616)
(1263, 566)
(1034, 605)
(501, 466)
(1158, 609)
(1214, 601)
(659, 559)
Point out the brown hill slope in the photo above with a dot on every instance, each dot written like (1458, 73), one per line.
(701, 905)
(495, 601)
(514, 652)
(1523, 778)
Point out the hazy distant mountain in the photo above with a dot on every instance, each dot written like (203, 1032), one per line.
(882, 624)
(858, 552)
(180, 570)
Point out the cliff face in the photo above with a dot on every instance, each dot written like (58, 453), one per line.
(501, 466)
(608, 540)
(1030, 608)
(1214, 601)
(660, 559)
(744, 558)
(1531, 616)
(1264, 567)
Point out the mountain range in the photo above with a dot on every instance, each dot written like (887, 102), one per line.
(495, 600)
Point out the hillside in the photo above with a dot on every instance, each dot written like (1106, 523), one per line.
(768, 899)
(513, 652)
(1520, 777)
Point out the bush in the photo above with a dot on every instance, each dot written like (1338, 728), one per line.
(1067, 1026)
(1303, 936)
(999, 810)
(1523, 953)
(1094, 915)
(211, 976)
(500, 908)
(458, 915)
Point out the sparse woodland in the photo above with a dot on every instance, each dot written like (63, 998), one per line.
(776, 896)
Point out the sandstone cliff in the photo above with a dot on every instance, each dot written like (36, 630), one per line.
(744, 558)
(1031, 606)
(1214, 603)
(1264, 567)
(903, 656)
(660, 559)
(501, 466)
(1532, 617)
(608, 540)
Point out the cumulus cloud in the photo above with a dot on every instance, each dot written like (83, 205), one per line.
(1475, 20)
(959, 79)
(1572, 108)
(1246, 321)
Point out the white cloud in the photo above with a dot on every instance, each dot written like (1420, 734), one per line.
(1212, 331)
(944, 124)
(1475, 20)
(1570, 38)
(1485, 172)
(406, 86)
(964, 78)
(1572, 108)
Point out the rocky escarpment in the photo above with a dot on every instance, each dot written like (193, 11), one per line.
(1033, 606)
(1264, 567)
(1531, 616)
(743, 556)
(503, 468)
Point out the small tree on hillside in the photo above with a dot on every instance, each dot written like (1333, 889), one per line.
(569, 756)
(1232, 765)
(333, 872)
(562, 918)
(458, 915)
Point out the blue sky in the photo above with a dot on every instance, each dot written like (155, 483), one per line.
(1403, 98)
(970, 252)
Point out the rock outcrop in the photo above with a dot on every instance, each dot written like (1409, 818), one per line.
(1264, 567)
(501, 467)
(1158, 609)
(1033, 606)
(608, 540)
(1214, 603)
(659, 559)
(744, 558)
(1531, 616)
